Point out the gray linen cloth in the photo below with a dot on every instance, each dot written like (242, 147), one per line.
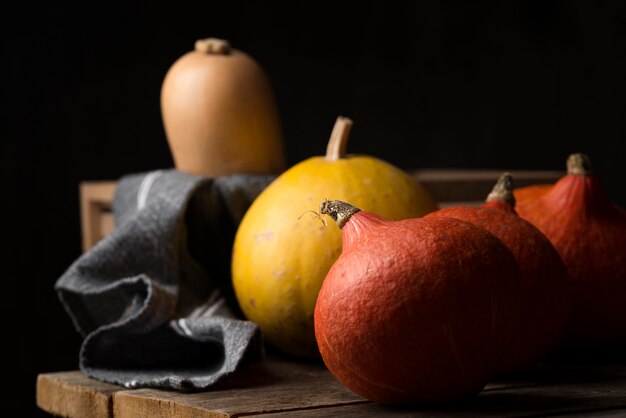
(153, 299)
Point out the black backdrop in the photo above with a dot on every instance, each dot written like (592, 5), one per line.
(505, 86)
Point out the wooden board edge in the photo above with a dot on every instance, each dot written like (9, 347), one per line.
(474, 185)
(134, 404)
(72, 394)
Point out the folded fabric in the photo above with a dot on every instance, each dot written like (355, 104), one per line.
(154, 299)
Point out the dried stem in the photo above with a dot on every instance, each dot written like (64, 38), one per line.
(340, 211)
(338, 142)
(579, 164)
(503, 190)
(315, 216)
(213, 46)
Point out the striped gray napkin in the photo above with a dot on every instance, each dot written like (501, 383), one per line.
(154, 299)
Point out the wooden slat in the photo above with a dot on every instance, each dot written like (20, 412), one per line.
(545, 391)
(272, 386)
(474, 185)
(96, 199)
(377, 411)
(448, 187)
(283, 389)
(72, 394)
(107, 224)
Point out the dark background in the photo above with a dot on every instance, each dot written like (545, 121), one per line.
(517, 85)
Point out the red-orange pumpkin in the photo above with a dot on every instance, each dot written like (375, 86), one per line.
(590, 234)
(545, 293)
(415, 311)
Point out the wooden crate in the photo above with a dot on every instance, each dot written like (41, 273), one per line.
(448, 187)
(283, 388)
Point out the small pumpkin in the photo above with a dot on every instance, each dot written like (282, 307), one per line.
(545, 286)
(219, 113)
(282, 253)
(589, 232)
(530, 193)
(416, 310)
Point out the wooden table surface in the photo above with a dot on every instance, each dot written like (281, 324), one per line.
(281, 389)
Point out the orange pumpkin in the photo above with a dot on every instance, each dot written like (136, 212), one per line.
(589, 231)
(545, 287)
(418, 310)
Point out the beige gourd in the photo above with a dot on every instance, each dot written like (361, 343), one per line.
(219, 113)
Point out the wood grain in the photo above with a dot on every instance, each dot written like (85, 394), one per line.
(281, 389)
(72, 394)
(543, 391)
(273, 386)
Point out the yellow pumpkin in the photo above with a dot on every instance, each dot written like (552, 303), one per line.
(219, 113)
(283, 251)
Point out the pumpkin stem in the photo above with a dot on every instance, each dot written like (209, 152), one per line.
(212, 46)
(503, 190)
(579, 164)
(338, 142)
(340, 211)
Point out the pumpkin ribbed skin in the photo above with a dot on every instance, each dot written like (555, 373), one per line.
(418, 310)
(545, 287)
(589, 232)
(282, 253)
